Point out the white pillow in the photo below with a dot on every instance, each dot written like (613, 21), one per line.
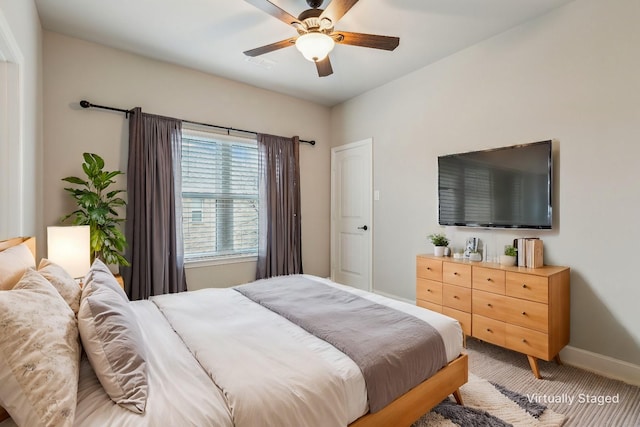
(66, 285)
(114, 345)
(13, 264)
(39, 354)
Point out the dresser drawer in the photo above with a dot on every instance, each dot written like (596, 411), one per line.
(527, 341)
(529, 314)
(429, 290)
(456, 274)
(427, 268)
(489, 279)
(460, 316)
(457, 297)
(527, 286)
(429, 305)
(489, 330)
(490, 305)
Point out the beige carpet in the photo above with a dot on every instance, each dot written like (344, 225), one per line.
(565, 383)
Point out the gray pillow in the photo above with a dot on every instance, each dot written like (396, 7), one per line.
(114, 345)
(100, 275)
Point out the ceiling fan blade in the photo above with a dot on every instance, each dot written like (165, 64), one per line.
(366, 40)
(337, 9)
(271, 47)
(324, 67)
(275, 11)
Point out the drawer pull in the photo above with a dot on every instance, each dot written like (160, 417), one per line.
(489, 305)
(489, 330)
(455, 273)
(524, 313)
(428, 290)
(488, 279)
(524, 286)
(429, 268)
(524, 341)
(456, 297)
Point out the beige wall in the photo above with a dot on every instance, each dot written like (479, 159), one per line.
(76, 70)
(571, 76)
(24, 26)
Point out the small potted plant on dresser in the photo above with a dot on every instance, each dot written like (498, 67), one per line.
(509, 257)
(440, 242)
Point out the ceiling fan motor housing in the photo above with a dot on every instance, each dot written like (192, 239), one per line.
(313, 23)
(314, 3)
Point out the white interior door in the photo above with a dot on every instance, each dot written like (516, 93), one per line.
(351, 214)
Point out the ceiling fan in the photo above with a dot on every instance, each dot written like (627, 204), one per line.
(317, 35)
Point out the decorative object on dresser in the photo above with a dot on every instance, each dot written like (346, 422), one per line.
(509, 258)
(530, 252)
(523, 309)
(472, 245)
(440, 242)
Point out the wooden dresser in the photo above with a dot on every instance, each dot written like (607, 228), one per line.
(523, 309)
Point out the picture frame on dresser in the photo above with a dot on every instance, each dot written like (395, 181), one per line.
(523, 309)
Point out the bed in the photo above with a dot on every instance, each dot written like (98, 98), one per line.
(233, 373)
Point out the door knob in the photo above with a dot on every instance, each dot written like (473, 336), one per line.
(364, 227)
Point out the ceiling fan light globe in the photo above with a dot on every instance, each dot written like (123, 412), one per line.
(315, 46)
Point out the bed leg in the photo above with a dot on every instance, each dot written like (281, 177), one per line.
(458, 397)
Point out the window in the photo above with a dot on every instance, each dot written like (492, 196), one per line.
(219, 195)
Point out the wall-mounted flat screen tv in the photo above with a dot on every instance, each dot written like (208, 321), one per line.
(507, 187)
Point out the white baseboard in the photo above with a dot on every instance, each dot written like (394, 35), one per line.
(601, 364)
(396, 297)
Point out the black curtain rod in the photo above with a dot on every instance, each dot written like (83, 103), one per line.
(87, 104)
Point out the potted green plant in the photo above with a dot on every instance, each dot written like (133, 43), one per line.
(509, 257)
(96, 207)
(440, 242)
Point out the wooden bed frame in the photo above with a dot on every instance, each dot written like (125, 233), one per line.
(403, 411)
(406, 409)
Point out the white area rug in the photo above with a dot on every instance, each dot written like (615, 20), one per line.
(486, 405)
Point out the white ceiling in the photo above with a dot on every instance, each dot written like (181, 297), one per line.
(210, 36)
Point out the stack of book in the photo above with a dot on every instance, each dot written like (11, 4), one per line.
(530, 252)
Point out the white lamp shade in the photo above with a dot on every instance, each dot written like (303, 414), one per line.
(315, 46)
(69, 248)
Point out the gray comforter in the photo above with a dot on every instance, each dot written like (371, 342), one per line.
(394, 350)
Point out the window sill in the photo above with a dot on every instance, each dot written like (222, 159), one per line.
(219, 261)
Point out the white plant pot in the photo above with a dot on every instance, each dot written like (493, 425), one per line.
(507, 260)
(438, 250)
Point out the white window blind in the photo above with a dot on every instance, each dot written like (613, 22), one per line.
(219, 195)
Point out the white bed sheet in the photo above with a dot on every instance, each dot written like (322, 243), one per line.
(180, 391)
(226, 306)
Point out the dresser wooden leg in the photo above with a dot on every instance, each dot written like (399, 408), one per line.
(533, 362)
(458, 397)
(557, 359)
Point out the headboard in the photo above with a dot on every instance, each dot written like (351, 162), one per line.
(6, 244)
(29, 241)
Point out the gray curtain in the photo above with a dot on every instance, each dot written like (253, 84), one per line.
(154, 213)
(280, 235)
